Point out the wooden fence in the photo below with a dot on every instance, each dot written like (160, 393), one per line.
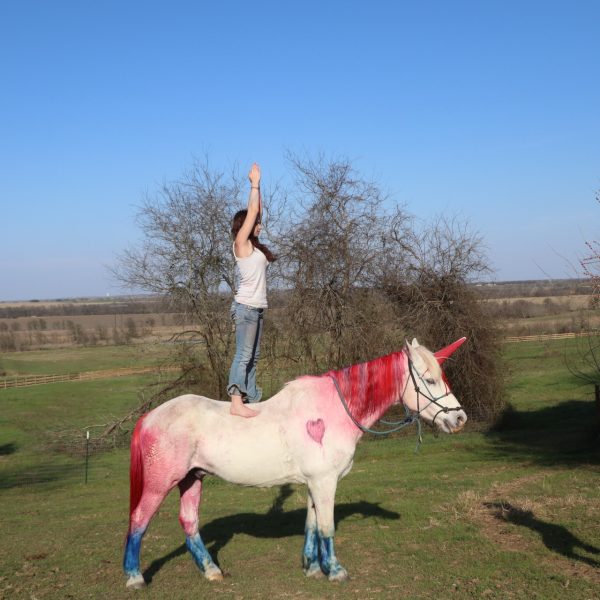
(543, 337)
(29, 380)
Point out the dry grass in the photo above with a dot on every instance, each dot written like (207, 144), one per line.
(564, 311)
(574, 302)
(519, 516)
(35, 333)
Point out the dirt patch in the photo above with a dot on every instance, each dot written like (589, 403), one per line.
(505, 519)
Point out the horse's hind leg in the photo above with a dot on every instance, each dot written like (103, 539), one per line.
(310, 552)
(322, 491)
(190, 490)
(148, 505)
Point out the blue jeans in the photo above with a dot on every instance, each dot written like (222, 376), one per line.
(248, 331)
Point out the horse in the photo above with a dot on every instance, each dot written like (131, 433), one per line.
(306, 433)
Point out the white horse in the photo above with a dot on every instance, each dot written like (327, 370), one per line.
(307, 433)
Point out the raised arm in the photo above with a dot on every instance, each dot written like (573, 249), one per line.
(243, 246)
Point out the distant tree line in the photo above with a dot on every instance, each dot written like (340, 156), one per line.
(356, 274)
(39, 334)
(71, 309)
(536, 288)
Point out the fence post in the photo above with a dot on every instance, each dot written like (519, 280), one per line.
(87, 452)
(597, 395)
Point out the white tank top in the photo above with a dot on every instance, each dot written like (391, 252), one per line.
(252, 289)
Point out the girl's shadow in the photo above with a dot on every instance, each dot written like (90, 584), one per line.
(555, 537)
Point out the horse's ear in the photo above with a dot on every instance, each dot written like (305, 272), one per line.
(411, 352)
(415, 343)
(447, 352)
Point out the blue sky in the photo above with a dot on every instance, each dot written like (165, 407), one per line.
(489, 110)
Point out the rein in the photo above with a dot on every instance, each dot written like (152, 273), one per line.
(411, 417)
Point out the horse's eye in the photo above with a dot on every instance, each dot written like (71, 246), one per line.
(430, 381)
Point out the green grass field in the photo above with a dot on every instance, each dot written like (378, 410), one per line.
(507, 514)
(75, 360)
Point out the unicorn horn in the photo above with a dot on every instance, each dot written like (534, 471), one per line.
(447, 352)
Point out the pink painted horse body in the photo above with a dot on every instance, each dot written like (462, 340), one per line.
(303, 434)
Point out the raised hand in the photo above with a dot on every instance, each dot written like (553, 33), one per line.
(254, 175)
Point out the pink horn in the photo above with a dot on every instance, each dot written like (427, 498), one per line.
(447, 352)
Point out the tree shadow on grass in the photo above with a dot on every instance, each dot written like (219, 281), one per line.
(566, 433)
(42, 473)
(6, 449)
(555, 537)
(274, 524)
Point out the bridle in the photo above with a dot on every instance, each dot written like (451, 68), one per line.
(428, 396)
(411, 416)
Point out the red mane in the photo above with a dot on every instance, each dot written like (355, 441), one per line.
(371, 387)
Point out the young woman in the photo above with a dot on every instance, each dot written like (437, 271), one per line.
(252, 259)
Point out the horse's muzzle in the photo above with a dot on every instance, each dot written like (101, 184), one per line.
(454, 422)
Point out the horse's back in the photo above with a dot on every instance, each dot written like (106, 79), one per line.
(291, 439)
(196, 432)
(184, 407)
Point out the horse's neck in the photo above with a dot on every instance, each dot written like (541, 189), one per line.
(370, 388)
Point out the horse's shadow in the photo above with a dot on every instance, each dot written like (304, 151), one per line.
(555, 537)
(274, 524)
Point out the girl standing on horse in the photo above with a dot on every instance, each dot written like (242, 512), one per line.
(252, 259)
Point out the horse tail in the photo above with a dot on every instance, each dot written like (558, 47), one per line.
(136, 468)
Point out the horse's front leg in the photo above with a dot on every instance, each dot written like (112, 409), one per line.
(322, 491)
(310, 553)
(190, 490)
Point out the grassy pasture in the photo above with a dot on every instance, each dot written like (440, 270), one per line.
(75, 360)
(507, 514)
(544, 314)
(573, 302)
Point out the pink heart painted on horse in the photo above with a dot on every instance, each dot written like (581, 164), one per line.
(316, 430)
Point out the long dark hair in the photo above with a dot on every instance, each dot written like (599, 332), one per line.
(236, 225)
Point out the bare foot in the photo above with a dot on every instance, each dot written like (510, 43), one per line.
(244, 411)
(239, 409)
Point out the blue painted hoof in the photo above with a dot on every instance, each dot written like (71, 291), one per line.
(314, 571)
(338, 574)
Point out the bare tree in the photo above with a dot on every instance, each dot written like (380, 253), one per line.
(585, 361)
(355, 279)
(590, 266)
(185, 256)
(428, 273)
(328, 253)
